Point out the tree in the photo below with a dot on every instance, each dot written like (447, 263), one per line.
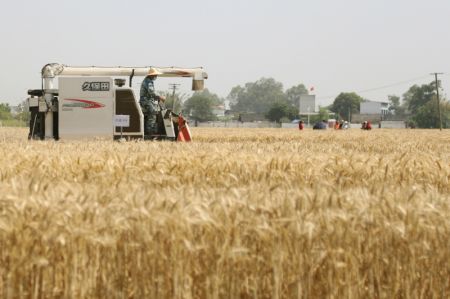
(179, 99)
(256, 96)
(293, 94)
(234, 94)
(323, 115)
(394, 105)
(22, 113)
(199, 106)
(394, 102)
(5, 111)
(417, 96)
(281, 109)
(427, 116)
(346, 103)
(421, 101)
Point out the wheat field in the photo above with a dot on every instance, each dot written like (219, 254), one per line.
(238, 213)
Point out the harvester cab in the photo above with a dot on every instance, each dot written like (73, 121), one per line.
(94, 102)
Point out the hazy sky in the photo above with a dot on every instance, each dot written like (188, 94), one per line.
(335, 46)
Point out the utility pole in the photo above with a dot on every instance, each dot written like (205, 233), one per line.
(438, 101)
(174, 87)
(308, 115)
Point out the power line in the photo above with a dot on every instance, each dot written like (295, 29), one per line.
(379, 87)
(392, 85)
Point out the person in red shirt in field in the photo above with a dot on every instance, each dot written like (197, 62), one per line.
(366, 125)
(301, 125)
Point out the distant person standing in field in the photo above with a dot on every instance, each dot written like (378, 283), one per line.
(301, 125)
(338, 125)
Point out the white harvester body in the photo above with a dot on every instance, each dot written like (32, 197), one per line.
(88, 101)
(83, 112)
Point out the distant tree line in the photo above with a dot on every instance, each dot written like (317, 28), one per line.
(418, 104)
(266, 98)
(421, 103)
(8, 117)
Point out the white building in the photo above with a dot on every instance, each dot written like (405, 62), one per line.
(219, 110)
(372, 107)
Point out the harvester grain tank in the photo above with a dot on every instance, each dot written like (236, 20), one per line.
(86, 102)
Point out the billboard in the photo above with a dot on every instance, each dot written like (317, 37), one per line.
(307, 104)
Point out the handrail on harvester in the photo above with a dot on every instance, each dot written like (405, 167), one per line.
(55, 69)
(52, 70)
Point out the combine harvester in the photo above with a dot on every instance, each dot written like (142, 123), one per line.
(93, 102)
